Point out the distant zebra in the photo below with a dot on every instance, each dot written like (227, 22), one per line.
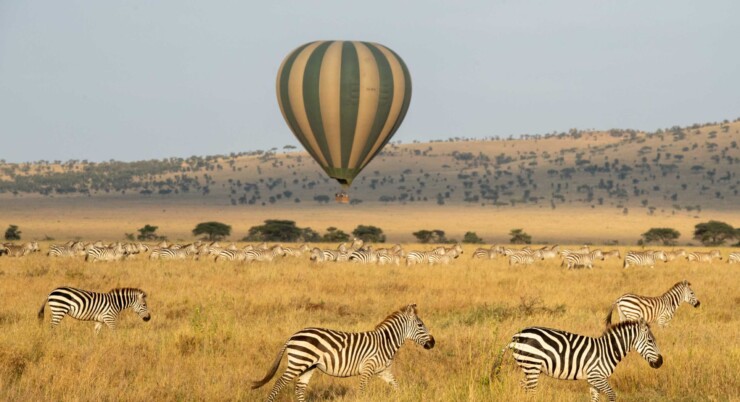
(652, 309)
(568, 356)
(103, 308)
(174, 253)
(704, 257)
(66, 251)
(612, 254)
(264, 254)
(95, 254)
(575, 260)
(733, 258)
(487, 253)
(445, 259)
(419, 257)
(345, 354)
(319, 255)
(672, 255)
(549, 253)
(231, 255)
(525, 257)
(389, 258)
(364, 256)
(296, 252)
(643, 258)
(15, 250)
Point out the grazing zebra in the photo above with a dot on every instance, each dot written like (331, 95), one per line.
(733, 258)
(575, 260)
(95, 254)
(652, 309)
(569, 356)
(103, 308)
(643, 258)
(672, 255)
(76, 250)
(418, 257)
(525, 257)
(704, 257)
(346, 354)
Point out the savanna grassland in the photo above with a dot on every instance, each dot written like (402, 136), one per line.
(215, 327)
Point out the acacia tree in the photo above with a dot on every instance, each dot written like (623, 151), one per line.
(518, 236)
(214, 230)
(369, 234)
(12, 233)
(430, 236)
(334, 235)
(148, 232)
(667, 236)
(715, 233)
(472, 237)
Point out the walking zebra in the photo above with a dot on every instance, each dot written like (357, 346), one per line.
(296, 252)
(179, 253)
(95, 254)
(733, 258)
(319, 255)
(613, 254)
(525, 257)
(346, 354)
(575, 260)
(103, 308)
(704, 257)
(643, 258)
(418, 257)
(672, 255)
(15, 250)
(264, 254)
(76, 250)
(487, 253)
(652, 309)
(364, 256)
(568, 356)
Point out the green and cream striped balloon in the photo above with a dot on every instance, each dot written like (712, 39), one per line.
(343, 100)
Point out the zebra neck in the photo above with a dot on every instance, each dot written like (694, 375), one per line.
(672, 297)
(392, 336)
(120, 300)
(618, 344)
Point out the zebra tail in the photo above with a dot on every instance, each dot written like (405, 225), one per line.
(273, 369)
(496, 368)
(608, 320)
(40, 315)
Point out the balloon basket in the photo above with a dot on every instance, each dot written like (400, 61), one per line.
(342, 198)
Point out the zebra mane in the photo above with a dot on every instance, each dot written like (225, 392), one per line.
(680, 284)
(620, 325)
(396, 314)
(127, 290)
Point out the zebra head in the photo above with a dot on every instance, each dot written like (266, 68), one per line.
(688, 294)
(139, 305)
(644, 344)
(415, 328)
(660, 255)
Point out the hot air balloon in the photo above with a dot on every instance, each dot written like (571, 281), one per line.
(343, 100)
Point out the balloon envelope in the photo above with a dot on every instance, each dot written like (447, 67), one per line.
(343, 101)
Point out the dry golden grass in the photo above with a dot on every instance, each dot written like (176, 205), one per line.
(215, 327)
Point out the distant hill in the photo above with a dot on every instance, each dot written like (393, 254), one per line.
(681, 168)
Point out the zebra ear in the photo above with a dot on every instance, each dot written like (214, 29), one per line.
(411, 309)
(686, 282)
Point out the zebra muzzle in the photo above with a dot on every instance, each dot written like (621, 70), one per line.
(697, 304)
(430, 343)
(146, 317)
(657, 363)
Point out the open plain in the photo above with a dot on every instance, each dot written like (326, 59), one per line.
(217, 326)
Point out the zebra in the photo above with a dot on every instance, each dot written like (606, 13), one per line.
(346, 354)
(174, 253)
(487, 253)
(652, 309)
(364, 256)
(76, 250)
(549, 253)
(296, 252)
(575, 260)
(388, 257)
(704, 257)
(319, 255)
(613, 254)
(264, 254)
(644, 258)
(95, 254)
(103, 308)
(672, 255)
(417, 257)
(568, 356)
(15, 250)
(733, 258)
(525, 257)
(445, 259)
(231, 255)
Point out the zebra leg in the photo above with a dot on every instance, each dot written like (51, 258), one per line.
(98, 325)
(600, 384)
(287, 377)
(388, 377)
(365, 374)
(302, 382)
(531, 376)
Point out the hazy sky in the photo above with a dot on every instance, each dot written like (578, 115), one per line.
(131, 80)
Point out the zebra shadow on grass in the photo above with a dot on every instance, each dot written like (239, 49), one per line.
(328, 393)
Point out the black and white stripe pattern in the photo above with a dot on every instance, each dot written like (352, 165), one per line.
(707, 257)
(318, 255)
(345, 354)
(420, 257)
(179, 253)
(525, 257)
(95, 254)
(264, 254)
(733, 258)
(569, 356)
(75, 250)
(103, 308)
(364, 256)
(652, 309)
(643, 258)
(578, 260)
